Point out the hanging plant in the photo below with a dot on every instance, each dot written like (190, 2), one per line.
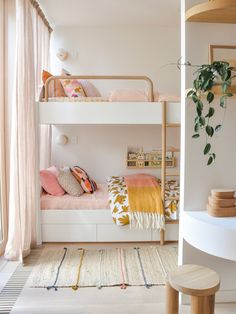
(202, 94)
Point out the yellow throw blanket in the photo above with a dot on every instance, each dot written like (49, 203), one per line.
(145, 203)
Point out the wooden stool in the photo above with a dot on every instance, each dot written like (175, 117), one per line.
(199, 282)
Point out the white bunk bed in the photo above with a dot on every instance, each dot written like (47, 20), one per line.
(96, 225)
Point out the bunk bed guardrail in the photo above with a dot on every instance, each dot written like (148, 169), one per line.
(102, 77)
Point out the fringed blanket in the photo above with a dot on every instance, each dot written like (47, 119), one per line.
(138, 198)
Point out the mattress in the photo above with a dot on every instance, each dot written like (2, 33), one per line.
(97, 200)
(100, 200)
(116, 97)
(77, 99)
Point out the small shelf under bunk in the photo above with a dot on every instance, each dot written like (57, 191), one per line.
(107, 113)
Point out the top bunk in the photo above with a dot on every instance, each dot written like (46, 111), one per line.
(87, 106)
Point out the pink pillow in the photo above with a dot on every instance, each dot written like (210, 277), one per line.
(50, 184)
(53, 170)
(130, 95)
(89, 89)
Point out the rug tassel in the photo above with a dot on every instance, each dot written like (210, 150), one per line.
(58, 271)
(52, 287)
(75, 287)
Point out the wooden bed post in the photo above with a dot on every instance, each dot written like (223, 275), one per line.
(163, 164)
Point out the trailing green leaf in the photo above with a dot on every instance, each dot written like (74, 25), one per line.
(210, 112)
(207, 148)
(202, 121)
(205, 77)
(196, 127)
(210, 97)
(222, 101)
(209, 130)
(190, 93)
(195, 98)
(210, 161)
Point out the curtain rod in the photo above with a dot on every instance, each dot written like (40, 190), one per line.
(41, 14)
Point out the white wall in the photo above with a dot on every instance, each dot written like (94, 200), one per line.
(102, 150)
(117, 50)
(121, 50)
(199, 179)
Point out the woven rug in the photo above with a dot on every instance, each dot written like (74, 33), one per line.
(74, 268)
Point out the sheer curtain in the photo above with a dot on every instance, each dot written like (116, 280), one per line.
(3, 190)
(41, 55)
(32, 50)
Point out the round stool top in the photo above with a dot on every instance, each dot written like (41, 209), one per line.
(194, 280)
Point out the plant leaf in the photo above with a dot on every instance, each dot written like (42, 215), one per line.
(209, 130)
(195, 98)
(210, 112)
(210, 161)
(195, 135)
(190, 93)
(202, 121)
(207, 148)
(222, 101)
(196, 127)
(200, 104)
(224, 87)
(210, 97)
(218, 127)
(199, 112)
(196, 84)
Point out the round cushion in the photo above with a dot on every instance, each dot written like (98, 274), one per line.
(194, 280)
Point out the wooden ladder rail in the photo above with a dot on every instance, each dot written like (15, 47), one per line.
(163, 163)
(164, 174)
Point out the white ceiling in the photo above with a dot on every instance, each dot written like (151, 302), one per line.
(111, 12)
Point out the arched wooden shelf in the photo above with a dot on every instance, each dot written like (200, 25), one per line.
(214, 11)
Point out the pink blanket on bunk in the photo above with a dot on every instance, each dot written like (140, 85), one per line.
(97, 200)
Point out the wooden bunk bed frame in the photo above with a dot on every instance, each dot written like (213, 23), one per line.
(48, 118)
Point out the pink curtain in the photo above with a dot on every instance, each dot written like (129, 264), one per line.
(31, 56)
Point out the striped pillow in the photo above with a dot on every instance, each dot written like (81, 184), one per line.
(88, 185)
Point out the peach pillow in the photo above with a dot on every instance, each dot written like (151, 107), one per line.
(50, 184)
(55, 87)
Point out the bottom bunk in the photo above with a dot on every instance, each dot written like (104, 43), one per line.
(88, 218)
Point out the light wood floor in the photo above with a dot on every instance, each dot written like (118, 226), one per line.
(134, 300)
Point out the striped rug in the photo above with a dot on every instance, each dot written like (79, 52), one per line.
(74, 268)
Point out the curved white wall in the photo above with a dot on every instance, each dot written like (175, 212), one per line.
(198, 178)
